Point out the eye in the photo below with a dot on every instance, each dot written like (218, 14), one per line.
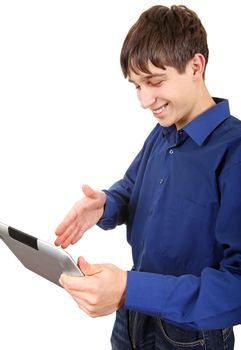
(156, 83)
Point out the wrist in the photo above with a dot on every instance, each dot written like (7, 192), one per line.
(123, 289)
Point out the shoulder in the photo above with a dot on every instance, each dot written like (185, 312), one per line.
(233, 123)
(153, 139)
(155, 134)
(229, 132)
(231, 139)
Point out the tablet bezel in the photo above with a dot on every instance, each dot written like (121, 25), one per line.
(39, 256)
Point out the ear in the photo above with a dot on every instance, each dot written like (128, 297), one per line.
(198, 63)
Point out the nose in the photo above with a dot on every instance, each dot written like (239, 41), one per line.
(146, 97)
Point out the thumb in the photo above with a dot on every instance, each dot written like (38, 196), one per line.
(88, 191)
(86, 268)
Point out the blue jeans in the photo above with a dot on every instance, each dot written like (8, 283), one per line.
(136, 331)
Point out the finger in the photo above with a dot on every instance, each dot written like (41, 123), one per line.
(68, 220)
(74, 232)
(66, 228)
(82, 299)
(66, 243)
(68, 235)
(72, 239)
(67, 239)
(89, 269)
(63, 237)
(84, 306)
(78, 236)
(71, 235)
(88, 191)
(78, 296)
(71, 283)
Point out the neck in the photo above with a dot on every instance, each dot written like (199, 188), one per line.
(204, 101)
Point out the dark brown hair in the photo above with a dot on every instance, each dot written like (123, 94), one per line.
(165, 37)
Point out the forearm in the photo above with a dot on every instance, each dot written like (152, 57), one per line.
(116, 206)
(206, 302)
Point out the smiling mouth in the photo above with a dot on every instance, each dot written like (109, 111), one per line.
(159, 110)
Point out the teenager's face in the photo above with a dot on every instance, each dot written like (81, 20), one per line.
(170, 96)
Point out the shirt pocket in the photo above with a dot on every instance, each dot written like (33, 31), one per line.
(189, 234)
(191, 208)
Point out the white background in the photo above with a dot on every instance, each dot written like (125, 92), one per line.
(67, 117)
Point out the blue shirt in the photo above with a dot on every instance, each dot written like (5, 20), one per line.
(181, 202)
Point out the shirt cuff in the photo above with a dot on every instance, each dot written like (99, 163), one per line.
(108, 219)
(145, 292)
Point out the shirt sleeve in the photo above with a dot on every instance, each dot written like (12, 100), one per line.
(118, 196)
(211, 300)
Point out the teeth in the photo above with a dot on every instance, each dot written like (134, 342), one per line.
(156, 111)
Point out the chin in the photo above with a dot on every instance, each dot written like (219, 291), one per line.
(165, 124)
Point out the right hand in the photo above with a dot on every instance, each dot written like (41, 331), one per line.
(84, 214)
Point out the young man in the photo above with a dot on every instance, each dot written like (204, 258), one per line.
(180, 200)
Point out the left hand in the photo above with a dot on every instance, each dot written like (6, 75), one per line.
(100, 292)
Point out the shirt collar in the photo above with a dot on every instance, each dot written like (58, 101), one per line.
(203, 125)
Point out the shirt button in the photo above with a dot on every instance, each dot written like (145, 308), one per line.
(161, 181)
(171, 151)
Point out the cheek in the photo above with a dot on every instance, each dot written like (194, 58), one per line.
(138, 94)
(177, 109)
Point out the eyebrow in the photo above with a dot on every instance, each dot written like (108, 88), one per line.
(149, 76)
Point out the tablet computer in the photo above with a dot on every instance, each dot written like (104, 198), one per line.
(41, 257)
